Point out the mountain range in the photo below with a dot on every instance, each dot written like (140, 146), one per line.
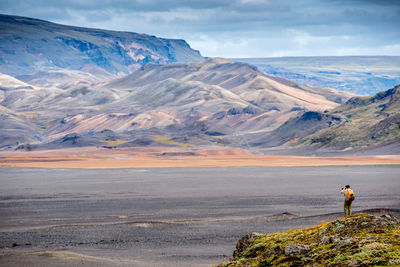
(37, 51)
(106, 91)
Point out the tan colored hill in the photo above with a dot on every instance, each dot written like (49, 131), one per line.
(265, 91)
(8, 82)
(215, 101)
(216, 91)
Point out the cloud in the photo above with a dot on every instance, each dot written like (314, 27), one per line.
(238, 28)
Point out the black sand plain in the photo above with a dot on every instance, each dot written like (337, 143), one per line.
(171, 216)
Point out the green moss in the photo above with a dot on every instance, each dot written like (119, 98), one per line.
(341, 257)
(323, 248)
(255, 250)
(367, 242)
(267, 262)
(393, 262)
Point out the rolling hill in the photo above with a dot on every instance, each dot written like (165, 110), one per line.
(364, 122)
(215, 101)
(360, 125)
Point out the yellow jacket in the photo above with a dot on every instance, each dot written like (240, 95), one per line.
(347, 192)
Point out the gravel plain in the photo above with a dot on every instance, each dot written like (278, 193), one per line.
(170, 216)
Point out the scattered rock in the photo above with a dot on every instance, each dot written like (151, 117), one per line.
(326, 240)
(26, 147)
(344, 242)
(371, 237)
(354, 101)
(244, 243)
(296, 249)
(354, 263)
(277, 250)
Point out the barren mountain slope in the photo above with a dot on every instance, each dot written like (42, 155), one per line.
(242, 79)
(217, 91)
(215, 101)
(17, 128)
(31, 47)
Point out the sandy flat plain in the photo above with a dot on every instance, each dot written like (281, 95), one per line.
(100, 158)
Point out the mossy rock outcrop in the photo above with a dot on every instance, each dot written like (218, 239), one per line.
(361, 240)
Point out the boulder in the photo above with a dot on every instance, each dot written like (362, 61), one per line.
(326, 240)
(296, 249)
(344, 242)
(244, 243)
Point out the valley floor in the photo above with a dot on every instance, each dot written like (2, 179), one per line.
(170, 216)
(169, 157)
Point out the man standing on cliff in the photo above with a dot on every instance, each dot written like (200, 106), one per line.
(348, 199)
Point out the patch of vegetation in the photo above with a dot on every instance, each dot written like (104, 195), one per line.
(114, 143)
(167, 140)
(361, 240)
(367, 121)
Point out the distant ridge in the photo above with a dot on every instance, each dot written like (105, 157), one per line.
(365, 75)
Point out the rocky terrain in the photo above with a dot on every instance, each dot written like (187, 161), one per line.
(364, 75)
(361, 240)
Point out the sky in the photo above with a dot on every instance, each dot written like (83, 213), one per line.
(238, 28)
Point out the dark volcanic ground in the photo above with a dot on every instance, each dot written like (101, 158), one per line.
(170, 217)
